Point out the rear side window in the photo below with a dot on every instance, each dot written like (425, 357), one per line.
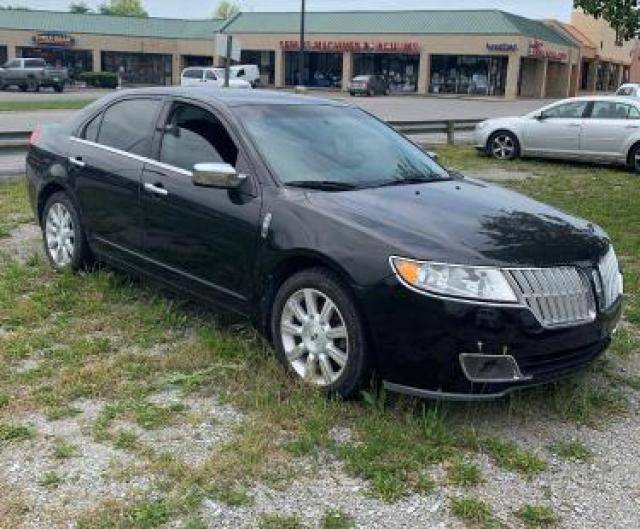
(566, 110)
(193, 136)
(192, 74)
(626, 91)
(12, 64)
(211, 76)
(634, 113)
(129, 125)
(609, 110)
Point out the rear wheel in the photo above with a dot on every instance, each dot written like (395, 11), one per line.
(23, 87)
(64, 239)
(503, 145)
(318, 333)
(372, 93)
(59, 88)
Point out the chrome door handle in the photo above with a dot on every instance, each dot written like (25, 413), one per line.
(77, 161)
(155, 190)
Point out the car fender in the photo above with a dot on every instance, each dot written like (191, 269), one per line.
(630, 142)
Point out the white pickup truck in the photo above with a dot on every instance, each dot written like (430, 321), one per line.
(32, 74)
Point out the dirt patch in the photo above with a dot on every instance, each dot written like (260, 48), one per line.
(499, 175)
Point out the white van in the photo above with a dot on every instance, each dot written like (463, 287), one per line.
(246, 72)
(196, 76)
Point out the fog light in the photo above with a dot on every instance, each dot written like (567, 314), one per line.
(491, 368)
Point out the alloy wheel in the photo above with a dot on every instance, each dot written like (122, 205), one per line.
(503, 147)
(60, 234)
(314, 337)
(636, 161)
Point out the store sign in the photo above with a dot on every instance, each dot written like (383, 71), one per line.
(53, 40)
(354, 46)
(502, 46)
(537, 49)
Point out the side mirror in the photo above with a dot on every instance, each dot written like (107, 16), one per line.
(220, 175)
(540, 117)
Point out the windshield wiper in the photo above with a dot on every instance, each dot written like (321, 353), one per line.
(322, 185)
(409, 181)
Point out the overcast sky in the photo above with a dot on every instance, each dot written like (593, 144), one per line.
(560, 9)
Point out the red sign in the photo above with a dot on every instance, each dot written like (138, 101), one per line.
(537, 49)
(355, 46)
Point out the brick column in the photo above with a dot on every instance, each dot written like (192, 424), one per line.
(592, 77)
(424, 73)
(347, 70)
(97, 60)
(541, 77)
(620, 75)
(279, 69)
(176, 69)
(11, 52)
(513, 72)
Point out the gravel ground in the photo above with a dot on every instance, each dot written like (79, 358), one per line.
(604, 492)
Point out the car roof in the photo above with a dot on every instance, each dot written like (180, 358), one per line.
(232, 97)
(611, 99)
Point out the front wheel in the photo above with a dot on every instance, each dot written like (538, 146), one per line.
(634, 159)
(503, 145)
(318, 333)
(64, 240)
(59, 88)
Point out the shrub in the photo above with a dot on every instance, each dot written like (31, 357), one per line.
(100, 79)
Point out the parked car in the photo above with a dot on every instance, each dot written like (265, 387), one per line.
(32, 74)
(629, 90)
(209, 76)
(346, 244)
(370, 85)
(246, 72)
(601, 129)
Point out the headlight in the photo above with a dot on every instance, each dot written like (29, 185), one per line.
(481, 125)
(468, 282)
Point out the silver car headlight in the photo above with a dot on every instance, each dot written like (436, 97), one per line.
(457, 281)
(481, 125)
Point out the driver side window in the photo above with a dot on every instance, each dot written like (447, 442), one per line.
(194, 135)
(571, 110)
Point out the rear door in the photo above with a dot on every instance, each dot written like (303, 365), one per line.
(106, 162)
(210, 77)
(192, 77)
(607, 129)
(558, 130)
(202, 238)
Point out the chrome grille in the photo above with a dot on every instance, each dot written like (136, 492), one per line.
(611, 285)
(558, 297)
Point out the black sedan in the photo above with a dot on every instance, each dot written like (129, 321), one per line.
(348, 246)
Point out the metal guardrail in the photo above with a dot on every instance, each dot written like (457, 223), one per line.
(17, 140)
(14, 140)
(446, 126)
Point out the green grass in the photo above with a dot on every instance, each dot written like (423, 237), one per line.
(63, 449)
(475, 513)
(275, 521)
(14, 208)
(337, 520)
(125, 441)
(45, 104)
(15, 432)
(116, 514)
(464, 474)
(537, 516)
(572, 450)
(51, 480)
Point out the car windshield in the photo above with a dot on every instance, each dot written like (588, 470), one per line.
(304, 144)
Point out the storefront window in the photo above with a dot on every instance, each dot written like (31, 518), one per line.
(468, 74)
(265, 60)
(139, 68)
(400, 70)
(323, 70)
(189, 61)
(3, 54)
(76, 61)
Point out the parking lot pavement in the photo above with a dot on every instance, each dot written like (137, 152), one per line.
(30, 119)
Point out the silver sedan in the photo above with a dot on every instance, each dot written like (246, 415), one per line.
(603, 129)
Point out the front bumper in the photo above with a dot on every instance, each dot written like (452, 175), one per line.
(418, 341)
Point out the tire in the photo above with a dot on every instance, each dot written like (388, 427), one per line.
(338, 365)
(372, 93)
(23, 87)
(63, 236)
(503, 145)
(59, 88)
(634, 159)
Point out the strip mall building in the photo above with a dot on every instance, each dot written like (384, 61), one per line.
(480, 52)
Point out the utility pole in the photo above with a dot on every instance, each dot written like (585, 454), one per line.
(301, 54)
(227, 62)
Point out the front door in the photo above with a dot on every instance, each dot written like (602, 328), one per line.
(106, 162)
(200, 237)
(556, 131)
(605, 133)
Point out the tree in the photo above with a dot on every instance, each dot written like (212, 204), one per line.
(79, 7)
(622, 16)
(124, 8)
(226, 10)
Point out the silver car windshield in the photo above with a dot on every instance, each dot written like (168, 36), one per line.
(322, 143)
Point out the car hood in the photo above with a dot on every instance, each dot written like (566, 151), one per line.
(465, 222)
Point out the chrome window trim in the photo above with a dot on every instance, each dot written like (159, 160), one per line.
(142, 159)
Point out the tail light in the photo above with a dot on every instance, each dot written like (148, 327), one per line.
(35, 136)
